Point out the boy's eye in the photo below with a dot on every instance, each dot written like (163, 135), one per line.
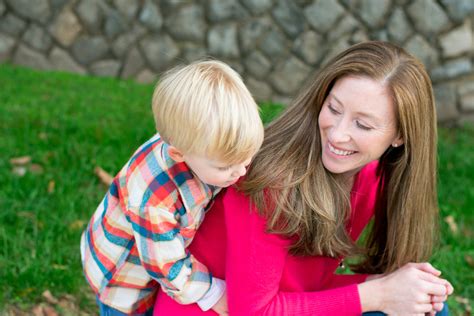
(223, 168)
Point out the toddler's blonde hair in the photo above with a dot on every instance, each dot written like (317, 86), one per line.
(205, 109)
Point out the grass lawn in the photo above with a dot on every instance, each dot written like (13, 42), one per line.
(69, 124)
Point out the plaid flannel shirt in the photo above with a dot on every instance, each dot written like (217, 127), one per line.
(139, 233)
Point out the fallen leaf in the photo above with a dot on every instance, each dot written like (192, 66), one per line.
(36, 168)
(461, 300)
(20, 161)
(26, 214)
(59, 267)
(451, 223)
(49, 297)
(77, 225)
(49, 311)
(38, 310)
(43, 136)
(469, 260)
(51, 186)
(19, 170)
(104, 177)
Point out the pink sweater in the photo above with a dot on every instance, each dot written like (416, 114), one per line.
(262, 277)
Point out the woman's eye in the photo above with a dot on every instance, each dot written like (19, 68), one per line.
(332, 110)
(362, 126)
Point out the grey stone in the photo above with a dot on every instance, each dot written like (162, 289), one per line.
(347, 25)
(114, 24)
(60, 60)
(289, 17)
(30, 58)
(106, 68)
(257, 6)
(445, 96)
(39, 12)
(128, 8)
(12, 25)
(260, 90)
(467, 119)
(37, 38)
(459, 9)
(452, 69)
(88, 49)
(133, 64)
(151, 16)
(458, 41)
(236, 65)
(6, 47)
(90, 14)
(187, 23)
(309, 47)
(221, 10)
(123, 42)
(419, 47)
(428, 16)
(322, 14)
(361, 36)
(398, 26)
(146, 76)
(374, 11)
(192, 51)
(289, 76)
(257, 64)
(283, 100)
(251, 33)
(466, 87)
(2, 8)
(222, 41)
(160, 51)
(66, 27)
(273, 45)
(170, 5)
(466, 95)
(342, 44)
(380, 35)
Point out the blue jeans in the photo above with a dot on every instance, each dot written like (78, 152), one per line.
(444, 312)
(106, 310)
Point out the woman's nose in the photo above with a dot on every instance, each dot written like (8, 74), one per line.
(340, 132)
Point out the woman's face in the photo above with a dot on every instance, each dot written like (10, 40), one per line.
(357, 124)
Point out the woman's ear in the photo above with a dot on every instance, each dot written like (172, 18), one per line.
(175, 154)
(398, 141)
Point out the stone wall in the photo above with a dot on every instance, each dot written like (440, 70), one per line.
(274, 44)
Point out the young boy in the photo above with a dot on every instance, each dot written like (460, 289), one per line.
(208, 130)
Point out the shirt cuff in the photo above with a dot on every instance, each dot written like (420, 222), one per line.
(214, 293)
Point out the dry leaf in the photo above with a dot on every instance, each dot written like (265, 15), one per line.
(104, 177)
(38, 310)
(26, 214)
(20, 161)
(49, 297)
(51, 186)
(59, 267)
(19, 170)
(36, 168)
(43, 136)
(469, 260)
(77, 225)
(451, 223)
(461, 300)
(49, 311)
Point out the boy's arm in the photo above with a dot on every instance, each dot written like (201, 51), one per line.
(161, 246)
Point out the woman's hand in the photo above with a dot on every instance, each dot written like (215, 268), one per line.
(411, 290)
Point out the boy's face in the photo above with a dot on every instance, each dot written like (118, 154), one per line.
(214, 172)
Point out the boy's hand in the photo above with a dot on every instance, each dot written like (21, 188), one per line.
(221, 306)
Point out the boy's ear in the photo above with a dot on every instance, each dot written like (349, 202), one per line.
(175, 154)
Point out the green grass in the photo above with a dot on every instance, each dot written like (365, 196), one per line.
(69, 124)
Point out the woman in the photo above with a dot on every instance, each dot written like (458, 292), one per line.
(359, 142)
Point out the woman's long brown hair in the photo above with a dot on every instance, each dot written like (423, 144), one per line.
(302, 200)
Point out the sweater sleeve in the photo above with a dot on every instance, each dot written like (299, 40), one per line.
(254, 268)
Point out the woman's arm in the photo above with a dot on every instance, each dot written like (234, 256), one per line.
(255, 263)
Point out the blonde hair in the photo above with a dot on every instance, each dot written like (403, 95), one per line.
(301, 198)
(205, 109)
